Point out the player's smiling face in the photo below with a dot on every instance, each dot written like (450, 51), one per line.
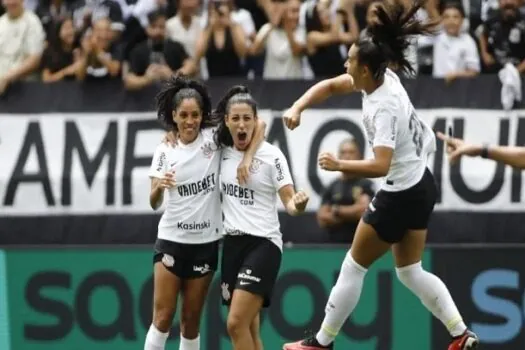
(241, 121)
(188, 118)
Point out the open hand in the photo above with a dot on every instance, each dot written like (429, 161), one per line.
(456, 148)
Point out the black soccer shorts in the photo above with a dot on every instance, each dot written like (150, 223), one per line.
(249, 263)
(392, 214)
(187, 261)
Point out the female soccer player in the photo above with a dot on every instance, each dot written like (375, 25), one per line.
(398, 216)
(253, 242)
(186, 251)
(510, 155)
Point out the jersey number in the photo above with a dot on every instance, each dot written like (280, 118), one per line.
(416, 128)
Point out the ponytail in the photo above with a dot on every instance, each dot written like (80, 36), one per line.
(387, 38)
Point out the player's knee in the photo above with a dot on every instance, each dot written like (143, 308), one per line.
(408, 275)
(236, 325)
(189, 324)
(163, 317)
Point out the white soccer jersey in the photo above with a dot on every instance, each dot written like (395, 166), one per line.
(391, 121)
(193, 212)
(252, 208)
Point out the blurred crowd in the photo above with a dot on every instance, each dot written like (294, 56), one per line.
(145, 41)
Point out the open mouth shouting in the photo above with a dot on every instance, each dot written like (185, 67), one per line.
(242, 138)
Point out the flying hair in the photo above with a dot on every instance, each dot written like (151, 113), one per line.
(176, 90)
(390, 34)
(237, 94)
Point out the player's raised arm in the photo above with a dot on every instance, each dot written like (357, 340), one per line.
(342, 84)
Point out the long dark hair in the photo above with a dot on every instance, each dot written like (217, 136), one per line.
(237, 94)
(385, 40)
(174, 92)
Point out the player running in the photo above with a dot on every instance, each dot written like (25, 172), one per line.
(397, 218)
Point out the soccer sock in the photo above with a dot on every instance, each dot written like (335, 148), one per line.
(190, 344)
(342, 301)
(155, 339)
(434, 295)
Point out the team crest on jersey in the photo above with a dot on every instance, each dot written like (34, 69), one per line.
(255, 166)
(168, 260)
(207, 149)
(226, 295)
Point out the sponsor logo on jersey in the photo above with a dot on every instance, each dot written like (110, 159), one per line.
(193, 226)
(203, 269)
(194, 188)
(245, 195)
(247, 276)
(236, 232)
(161, 162)
(279, 169)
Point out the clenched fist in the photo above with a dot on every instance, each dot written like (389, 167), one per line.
(300, 200)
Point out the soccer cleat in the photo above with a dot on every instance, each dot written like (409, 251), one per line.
(466, 341)
(309, 343)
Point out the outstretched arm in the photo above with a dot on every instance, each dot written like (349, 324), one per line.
(342, 84)
(510, 155)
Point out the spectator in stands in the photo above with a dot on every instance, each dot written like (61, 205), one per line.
(244, 19)
(345, 200)
(21, 43)
(284, 41)
(157, 58)
(53, 11)
(87, 12)
(185, 27)
(503, 37)
(61, 60)
(324, 40)
(455, 52)
(100, 58)
(223, 42)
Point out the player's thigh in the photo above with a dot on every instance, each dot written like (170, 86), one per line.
(367, 246)
(166, 287)
(420, 205)
(410, 250)
(198, 276)
(259, 269)
(244, 308)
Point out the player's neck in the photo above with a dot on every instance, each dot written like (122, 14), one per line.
(373, 85)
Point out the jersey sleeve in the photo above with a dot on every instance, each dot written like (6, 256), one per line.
(385, 124)
(281, 175)
(159, 163)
